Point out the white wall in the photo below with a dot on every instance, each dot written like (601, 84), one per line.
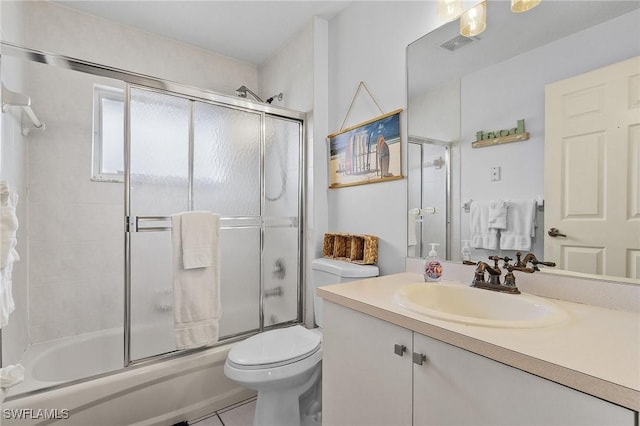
(367, 42)
(62, 30)
(299, 70)
(13, 169)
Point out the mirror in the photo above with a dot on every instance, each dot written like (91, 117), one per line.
(458, 87)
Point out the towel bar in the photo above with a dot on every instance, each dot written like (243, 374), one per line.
(240, 223)
(466, 204)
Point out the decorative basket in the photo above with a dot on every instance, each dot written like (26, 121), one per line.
(362, 249)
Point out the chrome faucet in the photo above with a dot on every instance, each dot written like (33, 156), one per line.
(509, 283)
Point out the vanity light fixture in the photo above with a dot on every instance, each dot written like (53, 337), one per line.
(474, 20)
(519, 6)
(448, 10)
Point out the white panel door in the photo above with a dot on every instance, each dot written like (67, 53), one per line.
(592, 161)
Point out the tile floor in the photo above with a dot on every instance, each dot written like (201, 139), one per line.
(240, 414)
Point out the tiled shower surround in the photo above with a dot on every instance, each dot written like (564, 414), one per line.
(76, 244)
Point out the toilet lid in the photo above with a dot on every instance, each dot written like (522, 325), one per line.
(275, 347)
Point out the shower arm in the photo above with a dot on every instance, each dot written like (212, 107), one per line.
(243, 90)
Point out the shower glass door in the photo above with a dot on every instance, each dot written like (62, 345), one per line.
(227, 181)
(428, 197)
(159, 187)
(189, 155)
(281, 225)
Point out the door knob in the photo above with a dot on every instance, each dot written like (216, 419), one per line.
(553, 232)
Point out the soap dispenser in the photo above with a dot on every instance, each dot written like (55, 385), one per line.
(432, 265)
(466, 251)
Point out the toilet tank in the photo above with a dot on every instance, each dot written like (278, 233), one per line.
(331, 271)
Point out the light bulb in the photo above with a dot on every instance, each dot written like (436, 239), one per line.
(518, 6)
(448, 10)
(474, 20)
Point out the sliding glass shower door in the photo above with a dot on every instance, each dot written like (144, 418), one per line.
(226, 180)
(158, 187)
(243, 165)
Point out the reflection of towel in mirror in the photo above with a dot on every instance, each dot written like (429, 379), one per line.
(498, 214)
(8, 253)
(521, 225)
(481, 235)
(411, 227)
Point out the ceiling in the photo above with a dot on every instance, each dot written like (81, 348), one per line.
(250, 31)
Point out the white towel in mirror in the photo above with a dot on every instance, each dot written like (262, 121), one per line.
(481, 235)
(521, 225)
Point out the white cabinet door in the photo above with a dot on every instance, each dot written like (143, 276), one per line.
(457, 387)
(364, 382)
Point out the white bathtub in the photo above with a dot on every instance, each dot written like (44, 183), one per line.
(161, 393)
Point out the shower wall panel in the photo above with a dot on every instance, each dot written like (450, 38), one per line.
(76, 261)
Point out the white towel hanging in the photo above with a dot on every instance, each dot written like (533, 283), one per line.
(481, 235)
(196, 291)
(521, 222)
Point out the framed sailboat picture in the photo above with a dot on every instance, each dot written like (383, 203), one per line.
(368, 152)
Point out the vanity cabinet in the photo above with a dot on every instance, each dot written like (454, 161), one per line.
(368, 379)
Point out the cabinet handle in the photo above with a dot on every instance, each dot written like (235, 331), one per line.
(399, 349)
(419, 358)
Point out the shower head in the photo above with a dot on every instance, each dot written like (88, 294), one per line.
(243, 90)
(275, 97)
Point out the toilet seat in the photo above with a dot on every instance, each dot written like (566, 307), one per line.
(274, 348)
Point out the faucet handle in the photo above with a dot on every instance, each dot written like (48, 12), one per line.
(495, 261)
(538, 262)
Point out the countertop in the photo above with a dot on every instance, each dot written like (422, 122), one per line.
(597, 351)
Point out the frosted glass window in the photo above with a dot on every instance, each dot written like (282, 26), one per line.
(108, 134)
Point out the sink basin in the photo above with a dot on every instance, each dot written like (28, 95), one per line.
(463, 304)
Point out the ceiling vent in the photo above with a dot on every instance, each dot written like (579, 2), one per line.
(457, 42)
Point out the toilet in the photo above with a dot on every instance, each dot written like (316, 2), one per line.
(284, 365)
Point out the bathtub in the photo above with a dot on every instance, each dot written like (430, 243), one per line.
(163, 392)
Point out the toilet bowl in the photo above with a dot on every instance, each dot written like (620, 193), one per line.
(285, 365)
